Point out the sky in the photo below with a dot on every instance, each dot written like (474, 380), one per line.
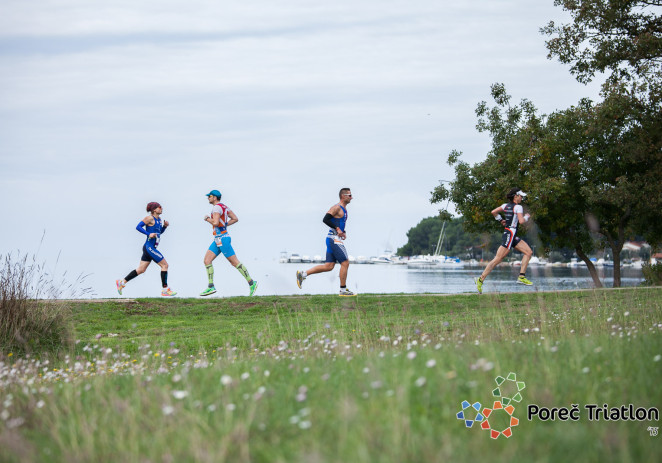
(106, 106)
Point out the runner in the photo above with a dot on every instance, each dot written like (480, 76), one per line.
(513, 212)
(335, 219)
(153, 227)
(221, 218)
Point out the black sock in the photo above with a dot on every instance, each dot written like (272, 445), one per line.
(343, 287)
(131, 276)
(521, 274)
(164, 278)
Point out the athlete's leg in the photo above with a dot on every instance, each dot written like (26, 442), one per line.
(526, 250)
(344, 266)
(502, 252)
(121, 284)
(142, 266)
(210, 255)
(164, 272)
(325, 267)
(234, 261)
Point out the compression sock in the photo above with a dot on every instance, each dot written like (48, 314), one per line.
(521, 274)
(164, 278)
(244, 272)
(210, 274)
(130, 276)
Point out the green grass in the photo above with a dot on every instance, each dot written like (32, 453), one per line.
(321, 378)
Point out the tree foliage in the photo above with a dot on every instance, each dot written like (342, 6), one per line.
(622, 38)
(587, 168)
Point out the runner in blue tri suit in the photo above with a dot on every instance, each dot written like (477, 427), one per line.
(153, 227)
(335, 219)
(514, 216)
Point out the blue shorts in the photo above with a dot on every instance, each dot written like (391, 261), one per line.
(151, 254)
(508, 239)
(225, 246)
(335, 252)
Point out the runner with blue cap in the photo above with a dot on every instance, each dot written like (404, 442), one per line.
(221, 218)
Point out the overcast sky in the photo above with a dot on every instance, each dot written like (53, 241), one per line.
(105, 106)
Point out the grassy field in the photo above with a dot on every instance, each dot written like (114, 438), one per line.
(375, 378)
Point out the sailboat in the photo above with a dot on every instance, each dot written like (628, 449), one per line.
(437, 260)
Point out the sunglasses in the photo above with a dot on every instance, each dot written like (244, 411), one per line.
(346, 194)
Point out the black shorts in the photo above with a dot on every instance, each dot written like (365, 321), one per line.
(508, 239)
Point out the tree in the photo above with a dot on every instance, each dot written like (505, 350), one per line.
(523, 155)
(620, 37)
(587, 169)
(623, 39)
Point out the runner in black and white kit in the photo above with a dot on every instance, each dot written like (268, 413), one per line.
(513, 216)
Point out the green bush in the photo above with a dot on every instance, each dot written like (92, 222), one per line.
(652, 274)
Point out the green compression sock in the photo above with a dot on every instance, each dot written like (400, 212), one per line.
(244, 272)
(210, 274)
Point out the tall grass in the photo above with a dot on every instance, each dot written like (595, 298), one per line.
(31, 318)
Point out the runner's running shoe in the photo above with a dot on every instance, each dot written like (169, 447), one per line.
(208, 291)
(253, 288)
(168, 292)
(299, 279)
(479, 285)
(346, 293)
(523, 281)
(120, 286)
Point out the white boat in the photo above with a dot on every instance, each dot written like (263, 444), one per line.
(575, 263)
(317, 259)
(431, 262)
(535, 261)
(283, 257)
(362, 260)
(306, 259)
(422, 262)
(295, 258)
(383, 259)
(352, 259)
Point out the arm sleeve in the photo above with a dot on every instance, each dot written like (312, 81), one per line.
(327, 221)
(163, 228)
(141, 229)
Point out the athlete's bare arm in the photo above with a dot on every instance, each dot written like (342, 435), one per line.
(498, 211)
(233, 219)
(523, 218)
(216, 220)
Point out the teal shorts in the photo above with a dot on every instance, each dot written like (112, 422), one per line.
(225, 246)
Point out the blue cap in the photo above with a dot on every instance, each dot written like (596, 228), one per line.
(214, 193)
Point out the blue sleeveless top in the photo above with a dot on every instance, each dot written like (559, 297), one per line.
(339, 222)
(156, 228)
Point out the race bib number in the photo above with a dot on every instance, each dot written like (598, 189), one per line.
(337, 239)
(217, 240)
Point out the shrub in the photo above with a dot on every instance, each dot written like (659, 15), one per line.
(31, 317)
(652, 274)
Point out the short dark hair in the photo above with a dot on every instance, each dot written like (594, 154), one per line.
(343, 190)
(152, 206)
(511, 194)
